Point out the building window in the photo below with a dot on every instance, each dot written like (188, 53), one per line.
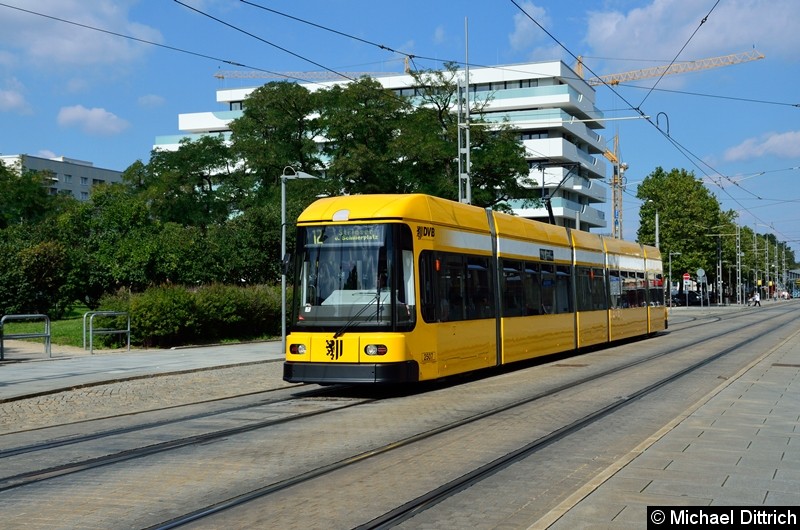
(67, 179)
(406, 92)
(95, 182)
(236, 105)
(84, 195)
(527, 83)
(536, 135)
(84, 181)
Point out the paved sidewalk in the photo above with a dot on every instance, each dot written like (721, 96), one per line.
(27, 371)
(739, 446)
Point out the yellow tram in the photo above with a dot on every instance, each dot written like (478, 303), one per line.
(403, 288)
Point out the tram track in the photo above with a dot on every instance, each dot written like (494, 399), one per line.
(447, 490)
(81, 438)
(307, 476)
(54, 471)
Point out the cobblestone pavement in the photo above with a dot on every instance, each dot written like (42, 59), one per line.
(138, 395)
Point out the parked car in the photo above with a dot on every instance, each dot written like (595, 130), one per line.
(693, 297)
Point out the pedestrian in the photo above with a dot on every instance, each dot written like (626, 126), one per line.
(756, 299)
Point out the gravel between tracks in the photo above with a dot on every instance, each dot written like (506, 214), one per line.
(138, 395)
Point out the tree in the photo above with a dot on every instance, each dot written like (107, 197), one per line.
(689, 218)
(192, 186)
(277, 129)
(499, 170)
(23, 196)
(361, 122)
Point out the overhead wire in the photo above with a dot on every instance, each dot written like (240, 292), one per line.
(325, 28)
(265, 41)
(145, 41)
(636, 108)
(688, 154)
(685, 44)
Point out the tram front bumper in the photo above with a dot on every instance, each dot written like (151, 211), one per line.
(304, 372)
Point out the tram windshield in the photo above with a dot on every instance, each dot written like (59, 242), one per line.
(354, 276)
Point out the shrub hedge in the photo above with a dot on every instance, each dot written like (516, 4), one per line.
(173, 315)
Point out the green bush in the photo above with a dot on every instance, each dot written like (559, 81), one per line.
(175, 315)
(221, 312)
(163, 316)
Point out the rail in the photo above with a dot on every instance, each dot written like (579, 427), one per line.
(45, 335)
(104, 331)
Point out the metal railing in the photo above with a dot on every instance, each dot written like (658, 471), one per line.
(45, 335)
(104, 331)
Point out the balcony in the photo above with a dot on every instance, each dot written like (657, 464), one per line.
(550, 96)
(199, 122)
(562, 209)
(593, 189)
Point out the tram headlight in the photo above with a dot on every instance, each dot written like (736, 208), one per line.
(297, 349)
(375, 349)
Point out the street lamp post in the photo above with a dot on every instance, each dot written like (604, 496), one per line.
(657, 246)
(670, 275)
(284, 177)
(657, 238)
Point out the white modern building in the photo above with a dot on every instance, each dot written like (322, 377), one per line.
(65, 175)
(551, 106)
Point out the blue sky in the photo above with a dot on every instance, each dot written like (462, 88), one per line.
(66, 90)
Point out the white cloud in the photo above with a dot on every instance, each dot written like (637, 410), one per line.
(11, 100)
(783, 145)
(439, 35)
(151, 101)
(526, 33)
(661, 28)
(12, 97)
(48, 43)
(94, 121)
(46, 153)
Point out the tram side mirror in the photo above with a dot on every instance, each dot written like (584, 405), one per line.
(287, 263)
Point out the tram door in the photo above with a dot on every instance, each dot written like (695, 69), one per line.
(463, 312)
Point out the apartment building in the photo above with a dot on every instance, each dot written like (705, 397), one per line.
(65, 175)
(547, 102)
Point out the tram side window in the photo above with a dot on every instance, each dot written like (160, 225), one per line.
(599, 293)
(513, 294)
(583, 288)
(455, 287)
(641, 290)
(427, 290)
(532, 286)
(548, 277)
(590, 288)
(629, 290)
(478, 292)
(615, 289)
(451, 279)
(563, 289)
(656, 289)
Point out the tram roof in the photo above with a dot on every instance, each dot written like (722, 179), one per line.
(435, 210)
(387, 207)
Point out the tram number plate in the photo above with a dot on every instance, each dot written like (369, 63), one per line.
(429, 357)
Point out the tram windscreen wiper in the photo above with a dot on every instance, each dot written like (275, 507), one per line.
(349, 323)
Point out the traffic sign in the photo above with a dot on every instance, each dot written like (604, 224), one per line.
(686, 277)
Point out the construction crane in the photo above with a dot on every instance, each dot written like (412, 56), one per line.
(617, 187)
(618, 177)
(326, 75)
(305, 76)
(674, 68)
